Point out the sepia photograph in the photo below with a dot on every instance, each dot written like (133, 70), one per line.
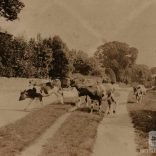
(77, 77)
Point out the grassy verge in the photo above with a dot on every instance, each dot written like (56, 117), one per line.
(16, 136)
(144, 120)
(76, 137)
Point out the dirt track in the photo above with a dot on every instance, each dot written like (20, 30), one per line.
(116, 133)
(11, 109)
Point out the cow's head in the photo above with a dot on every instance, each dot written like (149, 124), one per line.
(23, 95)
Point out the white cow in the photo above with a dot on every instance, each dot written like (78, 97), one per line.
(139, 92)
(108, 90)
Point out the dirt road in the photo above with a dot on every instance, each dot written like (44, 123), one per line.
(116, 133)
(36, 148)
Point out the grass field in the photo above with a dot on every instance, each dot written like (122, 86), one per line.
(76, 137)
(144, 120)
(18, 135)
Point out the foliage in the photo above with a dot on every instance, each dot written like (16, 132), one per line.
(110, 74)
(50, 57)
(9, 9)
(153, 70)
(59, 64)
(81, 63)
(141, 74)
(118, 56)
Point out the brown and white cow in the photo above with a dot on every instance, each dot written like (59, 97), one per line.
(39, 90)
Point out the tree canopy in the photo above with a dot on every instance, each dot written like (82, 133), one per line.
(60, 63)
(116, 55)
(50, 57)
(9, 9)
(153, 70)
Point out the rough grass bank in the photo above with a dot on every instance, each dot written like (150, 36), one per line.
(144, 120)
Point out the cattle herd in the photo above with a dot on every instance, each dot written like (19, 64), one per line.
(94, 94)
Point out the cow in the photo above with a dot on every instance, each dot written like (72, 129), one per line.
(39, 90)
(109, 91)
(139, 92)
(46, 86)
(93, 92)
(50, 87)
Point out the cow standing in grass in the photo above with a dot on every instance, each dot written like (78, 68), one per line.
(40, 90)
(139, 92)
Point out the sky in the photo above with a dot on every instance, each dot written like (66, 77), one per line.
(86, 24)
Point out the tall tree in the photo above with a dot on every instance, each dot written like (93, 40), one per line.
(116, 55)
(42, 56)
(60, 63)
(141, 73)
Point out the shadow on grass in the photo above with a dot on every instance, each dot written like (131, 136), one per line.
(16, 110)
(129, 102)
(84, 109)
(88, 110)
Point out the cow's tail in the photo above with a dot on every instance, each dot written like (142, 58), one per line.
(86, 99)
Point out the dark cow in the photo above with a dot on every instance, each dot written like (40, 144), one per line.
(89, 91)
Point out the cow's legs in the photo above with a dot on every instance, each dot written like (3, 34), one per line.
(114, 104)
(60, 97)
(137, 98)
(86, 99)
(109, 106)
(41, 101)
(140, 99)
(100, 107)
(79, 102)
(92, 106)
(30, 102)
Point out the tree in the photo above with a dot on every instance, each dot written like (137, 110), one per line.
(9, 9)
(116, 55)
(41, 56)
(141, 73)
(110, 74)
(5, 46)
(59, 66)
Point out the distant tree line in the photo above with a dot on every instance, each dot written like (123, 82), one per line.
(50, 57)
(42, 58)
(121, 59)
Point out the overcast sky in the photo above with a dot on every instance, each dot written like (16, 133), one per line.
(85, 24)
